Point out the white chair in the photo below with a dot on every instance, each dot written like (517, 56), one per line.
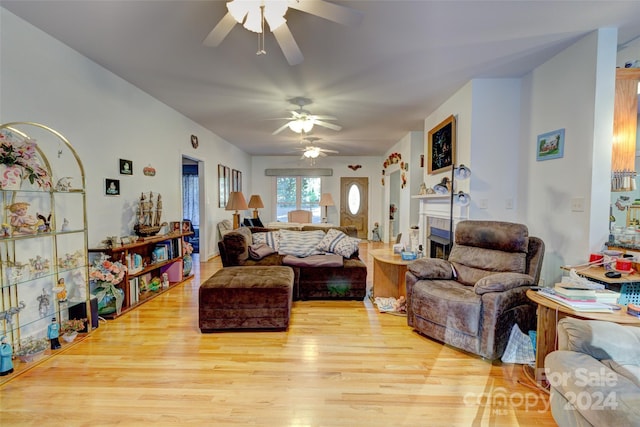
(300, 216)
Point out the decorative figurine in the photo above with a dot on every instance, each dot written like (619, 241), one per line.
(65, 225)
(5, 230)
(61, 291)
(53, 332)
(64, 184)
(21, 221)
(38, 265)
(79, 286)
(376, 233)
(6, 352)
(43, 304)
(7, 315)
(423, 189)
(44, 223)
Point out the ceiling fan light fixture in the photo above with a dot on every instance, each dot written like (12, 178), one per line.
(312, 152)
(274, 11)
(301, 125)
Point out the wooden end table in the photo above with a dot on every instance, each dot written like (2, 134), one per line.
(389, 273)
(549, 312)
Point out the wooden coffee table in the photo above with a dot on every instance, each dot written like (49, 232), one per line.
(388, 273)
(549, 312)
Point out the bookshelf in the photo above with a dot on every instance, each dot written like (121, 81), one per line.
(146, 260)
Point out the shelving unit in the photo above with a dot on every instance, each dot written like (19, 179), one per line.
(132, 284)
(43, 263)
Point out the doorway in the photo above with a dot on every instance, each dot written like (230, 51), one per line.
(191, 198)
(354, 204)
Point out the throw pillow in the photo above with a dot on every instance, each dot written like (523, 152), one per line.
(337, 242)
(271, 238)
(300, 243)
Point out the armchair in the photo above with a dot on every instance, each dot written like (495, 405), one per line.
(472, 300)
(300, 216)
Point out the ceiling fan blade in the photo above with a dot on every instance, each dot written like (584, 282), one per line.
(329, 151)
(327, 125)
(288, 45)
(220, 31)
(332, 12)
(324, 117)
(281, 128)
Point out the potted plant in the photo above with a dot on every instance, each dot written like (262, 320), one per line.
(106, 274)
(70, 328)
(31, 349)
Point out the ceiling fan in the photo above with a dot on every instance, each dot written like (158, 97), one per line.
(311, 151)
(302, 121)
(253, 14)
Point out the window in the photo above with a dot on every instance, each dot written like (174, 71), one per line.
(297, 192)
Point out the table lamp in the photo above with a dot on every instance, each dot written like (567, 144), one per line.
(255, 202)
(236, 203)
(326, 200)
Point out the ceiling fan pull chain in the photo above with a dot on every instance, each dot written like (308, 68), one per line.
(261, 50)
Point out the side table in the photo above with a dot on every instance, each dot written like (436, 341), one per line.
(549, 312)
(388, 273)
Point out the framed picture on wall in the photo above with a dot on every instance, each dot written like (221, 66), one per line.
(222, 201)
(550, 145)
(227, 184)
(112, 187)
(442, 146)
(236, 180)
(126, 167)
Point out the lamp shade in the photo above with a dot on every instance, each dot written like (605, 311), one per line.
(236, 202)
(255, 202)
(326, 200)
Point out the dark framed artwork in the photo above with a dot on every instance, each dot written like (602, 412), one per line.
(222, 200)
(126, 167)
(442, 146)
(550, 145)
(111, 187)
(236, 180)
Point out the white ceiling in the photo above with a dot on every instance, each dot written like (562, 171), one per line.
(380, 79)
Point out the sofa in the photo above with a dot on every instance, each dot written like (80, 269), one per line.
(320, 275)
(472, 300)
(595, 374)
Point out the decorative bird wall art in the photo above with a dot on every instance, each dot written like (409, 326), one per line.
(354, 167)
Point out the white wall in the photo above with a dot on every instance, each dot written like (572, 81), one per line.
(106, 118)
(575, 91)
(264, 185)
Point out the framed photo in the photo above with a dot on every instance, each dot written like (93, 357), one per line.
(227, 184)
(175, 226)
(111, 187)
(442, 146)
(550, 145)
(186, 226)
(236, 180)
(126, 167)
(222, 201)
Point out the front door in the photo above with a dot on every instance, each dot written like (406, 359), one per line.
(354, 204)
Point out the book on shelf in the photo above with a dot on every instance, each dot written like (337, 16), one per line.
(586, 306)
(133, 291)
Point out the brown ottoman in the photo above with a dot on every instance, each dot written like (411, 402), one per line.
(246, 298)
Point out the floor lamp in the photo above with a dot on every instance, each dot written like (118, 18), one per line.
(236, 203)
(460, 198)
(255, 203)
(326, 200)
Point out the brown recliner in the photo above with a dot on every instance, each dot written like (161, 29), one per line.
(472, 300)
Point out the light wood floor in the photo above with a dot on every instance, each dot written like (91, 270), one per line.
(341, 363)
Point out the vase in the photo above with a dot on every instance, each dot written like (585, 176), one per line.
(188, 264)
(108, 301)
(10, 177)
(70, 336)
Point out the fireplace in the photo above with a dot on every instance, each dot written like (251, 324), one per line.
(439, 243)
